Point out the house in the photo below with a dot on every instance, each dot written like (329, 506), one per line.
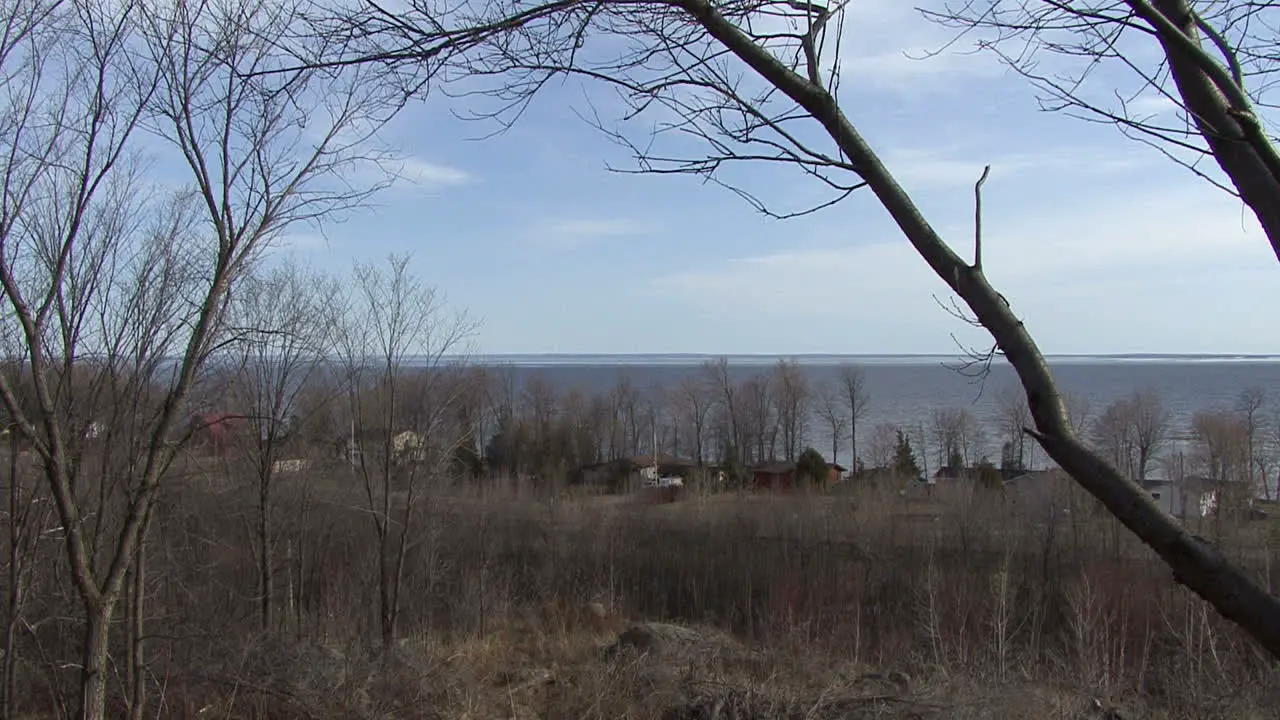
(1039, 493)
(214, 431)
(782, 475)
(1191, 497)
(406, 446)
(292, 465)
(974, 472)
(630, 473)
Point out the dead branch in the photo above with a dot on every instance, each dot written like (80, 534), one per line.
(977, 219)
(668, 43)
(1217, 116)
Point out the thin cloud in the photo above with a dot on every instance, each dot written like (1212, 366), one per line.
(938, 169)
(1150, 104)
(1124, 252)
(415, 172)
(570, 233)
(900, 69)
(302, 242)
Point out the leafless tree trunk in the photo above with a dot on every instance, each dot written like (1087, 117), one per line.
(1113, 436)
(27, 514)
(1217, 114)
(831, 409)
(540, 399)
(107, 281)
(759, 421)
(136, 670)
(687, 61)
(287, 322)
(1132, 431)
(792, 398)
(1222, 442)
(854, 382)
(394, 326)
(883, 445)
(956, 437)
(693, 401)
(1249, 404)
(719, 377)
(1150, 428)
(626, 401)
(1014, 417)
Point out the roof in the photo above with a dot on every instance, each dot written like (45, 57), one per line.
(1189, 482)
(774, 468)
(1035, 475)
(779, 467)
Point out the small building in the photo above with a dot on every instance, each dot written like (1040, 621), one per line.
(781, 476)
(631, 473)
(214, 431)
(1039, 493)
(975, 472)
(406, 446)
(1190, 497)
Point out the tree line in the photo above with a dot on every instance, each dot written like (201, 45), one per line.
(153, 152)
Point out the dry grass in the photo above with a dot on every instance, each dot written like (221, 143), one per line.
(510, 600)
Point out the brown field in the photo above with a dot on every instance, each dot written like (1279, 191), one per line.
(857, 605)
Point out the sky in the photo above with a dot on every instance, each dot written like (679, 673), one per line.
(1099, 243)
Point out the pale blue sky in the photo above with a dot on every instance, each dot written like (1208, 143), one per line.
(1098, 242)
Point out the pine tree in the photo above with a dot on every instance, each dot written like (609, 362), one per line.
(904, 459)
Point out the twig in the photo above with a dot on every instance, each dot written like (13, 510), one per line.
(977, 219)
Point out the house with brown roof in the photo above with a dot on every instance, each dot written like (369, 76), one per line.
(781, 476)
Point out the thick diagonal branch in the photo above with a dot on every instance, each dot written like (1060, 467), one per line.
(1195, 564)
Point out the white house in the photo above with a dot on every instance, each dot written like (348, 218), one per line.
(1192, 497)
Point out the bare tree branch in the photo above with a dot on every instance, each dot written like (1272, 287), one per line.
(749, 51)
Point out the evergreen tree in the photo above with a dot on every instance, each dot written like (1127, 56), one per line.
(811, 467)
(904, 459)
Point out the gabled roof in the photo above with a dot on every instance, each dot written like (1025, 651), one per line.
(774, 468)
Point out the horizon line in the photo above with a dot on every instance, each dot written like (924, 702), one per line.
(713, 355)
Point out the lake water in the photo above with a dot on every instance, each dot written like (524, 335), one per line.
(906, 390)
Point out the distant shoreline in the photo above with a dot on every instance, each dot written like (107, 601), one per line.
(684, 359)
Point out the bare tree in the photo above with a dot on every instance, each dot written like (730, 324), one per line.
(792, 400)
(883, 445)
(693, 402)
(957, 438)
(1079, 412)
(1132, 431)
(758, 82)
(27, 514)
(1113, 435)
(1212, 64)
(1014, 419)
(1249, 404)
(474, 412)
(625, 438)
(396, 328)
(286, 321)
(719, 378)
(759, 419)
(1150, 428)
(857, 398)
(1221, 445)
(831, 409)
(1221, 452)
(540, 399)
(120, 295)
